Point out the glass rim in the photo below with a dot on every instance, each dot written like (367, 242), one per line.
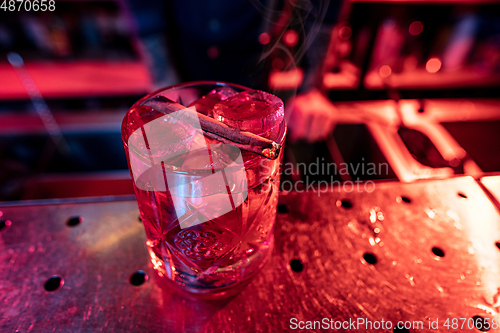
(281, 135)
(188, 85)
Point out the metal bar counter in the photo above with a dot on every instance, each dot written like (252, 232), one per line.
(416, 252)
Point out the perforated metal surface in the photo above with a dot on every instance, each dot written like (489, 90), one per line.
(375, 260)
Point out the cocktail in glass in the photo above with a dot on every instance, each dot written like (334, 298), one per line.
(205, 159)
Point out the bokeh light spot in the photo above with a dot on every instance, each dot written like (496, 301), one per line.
(433, 65)
(385, 71)
(264, 38)
(291, 38)
(345, 32)
(416, 28)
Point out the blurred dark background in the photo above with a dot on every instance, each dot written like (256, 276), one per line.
(416, 84)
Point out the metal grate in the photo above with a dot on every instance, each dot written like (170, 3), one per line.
(405, 252)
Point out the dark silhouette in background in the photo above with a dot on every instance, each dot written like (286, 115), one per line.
(226, 41)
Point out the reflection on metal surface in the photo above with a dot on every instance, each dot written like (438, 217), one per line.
(410, 252)
(405, 166)
(414, 135)
(491, 185)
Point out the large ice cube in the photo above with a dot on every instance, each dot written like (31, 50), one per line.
(251, 110)
(157, 140)
(205, 104)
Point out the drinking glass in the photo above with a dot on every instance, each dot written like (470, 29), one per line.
(205, 160)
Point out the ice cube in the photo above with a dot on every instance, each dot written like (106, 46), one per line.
(205, 104)
(214, 157)
(161, 137)
(251, 110)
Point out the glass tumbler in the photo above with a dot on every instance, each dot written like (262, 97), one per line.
(205, 160)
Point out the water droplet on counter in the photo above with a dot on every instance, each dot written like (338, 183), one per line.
(373, 216)
(376, 214)
(430, 212)
(374, 241)
(410, 279)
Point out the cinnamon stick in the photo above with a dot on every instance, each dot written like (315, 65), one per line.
(217, 130)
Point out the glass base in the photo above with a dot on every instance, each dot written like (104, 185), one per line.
(214, 293)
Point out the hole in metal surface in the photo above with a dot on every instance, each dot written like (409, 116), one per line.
(400, 328)
(282, 208)
(498, 245)
(370, 258)
(346, 203)
(461, 195)
(438, 251)
(139, 218)
(138, 278)
(74, 221)
(422, 148)
(4, 224)
(403, 199)
(482, 323)
(54, 283)
(296, 265)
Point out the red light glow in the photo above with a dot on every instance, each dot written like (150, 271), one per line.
(264, 38)
(345, 32)
(416, 28)
(433, 65)
(291, 38)
(385, 71)
(213, 52)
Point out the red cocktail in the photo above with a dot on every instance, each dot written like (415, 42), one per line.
(205, 181)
